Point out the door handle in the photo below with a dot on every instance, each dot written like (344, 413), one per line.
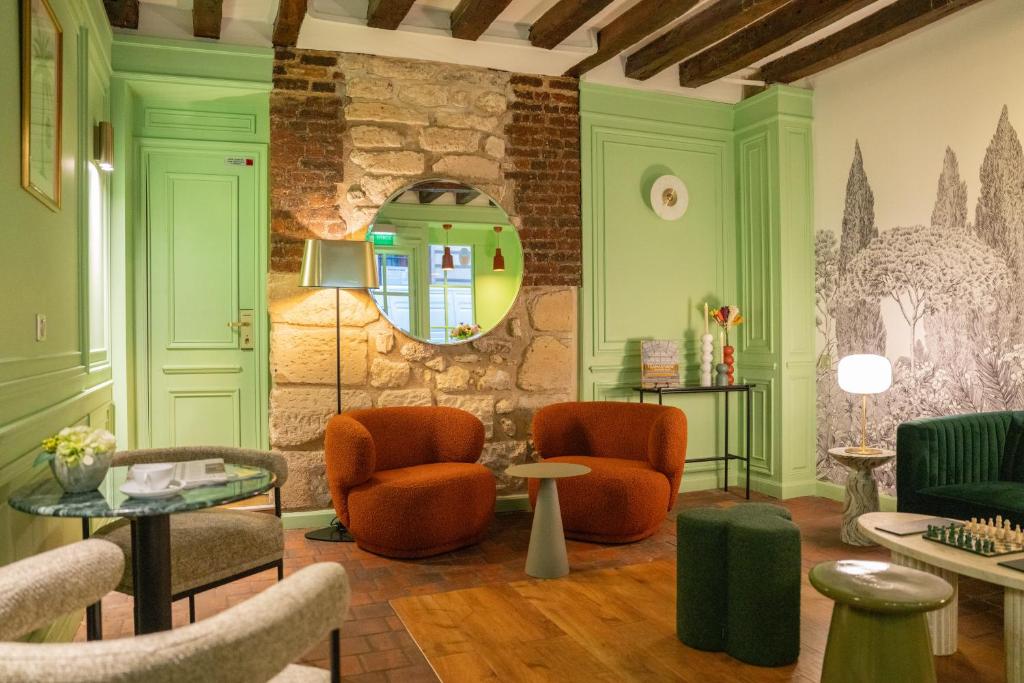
(244, 327)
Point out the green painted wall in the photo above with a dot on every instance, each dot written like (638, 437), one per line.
(57, 264)
(776, 281)
(745, 239)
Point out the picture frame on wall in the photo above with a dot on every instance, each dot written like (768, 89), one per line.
(42, 45)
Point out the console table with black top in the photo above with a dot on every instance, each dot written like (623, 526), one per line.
(661, 392)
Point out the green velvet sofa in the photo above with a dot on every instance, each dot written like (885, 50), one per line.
(962, 466)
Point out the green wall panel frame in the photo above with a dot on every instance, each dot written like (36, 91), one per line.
(776, 282)
(173, 94)
(746, 238)
(54, 263)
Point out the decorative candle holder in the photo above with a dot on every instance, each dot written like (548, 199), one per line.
(729, 359)
(706, 357)
(722, 378)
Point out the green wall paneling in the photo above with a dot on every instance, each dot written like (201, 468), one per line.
(748, 171)
(776, 282)
(169, 94)
(55, 263)
(646, 278)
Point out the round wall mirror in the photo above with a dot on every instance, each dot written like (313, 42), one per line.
(449, 261)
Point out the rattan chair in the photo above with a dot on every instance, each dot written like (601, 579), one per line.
(208, 547)
(253, 641)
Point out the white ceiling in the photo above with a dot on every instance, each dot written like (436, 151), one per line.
(340, 25)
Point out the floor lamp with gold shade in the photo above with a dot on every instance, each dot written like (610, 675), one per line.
(337, 265)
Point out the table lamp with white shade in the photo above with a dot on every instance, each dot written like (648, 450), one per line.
(864, 373)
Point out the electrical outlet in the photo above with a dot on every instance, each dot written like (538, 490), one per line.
(40, 327)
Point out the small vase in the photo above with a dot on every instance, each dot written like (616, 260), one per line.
(729, 358)
(81, 478)
(722, 378)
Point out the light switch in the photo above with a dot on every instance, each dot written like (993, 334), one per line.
(40, 327)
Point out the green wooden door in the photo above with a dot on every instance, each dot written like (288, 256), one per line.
(204, 275)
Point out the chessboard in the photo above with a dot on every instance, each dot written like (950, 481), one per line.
(991, 538)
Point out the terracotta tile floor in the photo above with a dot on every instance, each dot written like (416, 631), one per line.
(377, 649)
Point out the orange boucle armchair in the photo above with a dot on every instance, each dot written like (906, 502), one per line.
(405, 481)
(636, 454)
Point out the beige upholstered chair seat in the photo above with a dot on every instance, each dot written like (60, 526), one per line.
(207, 546)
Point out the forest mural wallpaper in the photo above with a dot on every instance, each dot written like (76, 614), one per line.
(942, 299)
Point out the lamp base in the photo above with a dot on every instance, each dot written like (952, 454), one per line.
(335, 533)
(863, 450)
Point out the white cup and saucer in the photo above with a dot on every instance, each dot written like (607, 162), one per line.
(152, 480)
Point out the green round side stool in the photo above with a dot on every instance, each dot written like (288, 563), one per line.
(878, 632)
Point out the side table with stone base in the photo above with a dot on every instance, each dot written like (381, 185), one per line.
(861, 490)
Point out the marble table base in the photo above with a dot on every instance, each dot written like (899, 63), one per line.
(861, 491)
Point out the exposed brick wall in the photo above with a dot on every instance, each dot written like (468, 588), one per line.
(347, 130)
(306, 155)
(544, 161)
(312, 189)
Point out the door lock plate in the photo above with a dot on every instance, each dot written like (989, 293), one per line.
(244, 327)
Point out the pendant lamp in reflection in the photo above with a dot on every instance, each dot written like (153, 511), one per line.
(447, 262)
(499, 260)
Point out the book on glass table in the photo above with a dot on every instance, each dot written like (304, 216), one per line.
(918, 526)
(211, 472)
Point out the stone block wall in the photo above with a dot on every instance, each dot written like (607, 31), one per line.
(346, 132)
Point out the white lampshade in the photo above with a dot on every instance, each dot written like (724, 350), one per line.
(865, 373)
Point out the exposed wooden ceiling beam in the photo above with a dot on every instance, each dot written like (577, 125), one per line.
(466, 197)
(560, 21)
(885, 25)
(290, 14)
(206, 18)
(706, 28)
(472, 17)
(122, 13)
(796, 20)
(629, 28)
(428, 196)
(387, 13)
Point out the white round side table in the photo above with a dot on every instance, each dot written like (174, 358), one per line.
(861, 491)
(547, 558)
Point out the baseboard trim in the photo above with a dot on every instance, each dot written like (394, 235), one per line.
(827, 489)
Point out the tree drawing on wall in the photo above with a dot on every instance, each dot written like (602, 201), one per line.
(951, 196)
(951, 287)
(925, 271)
(999, 216)
(859, 330)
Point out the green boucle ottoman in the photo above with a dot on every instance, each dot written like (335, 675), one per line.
(738, 582)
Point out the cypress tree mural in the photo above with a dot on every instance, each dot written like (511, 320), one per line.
(949, 291)
(999, 217)
(859, 328)
(951, 196)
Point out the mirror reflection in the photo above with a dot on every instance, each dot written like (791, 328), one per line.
(449, 261)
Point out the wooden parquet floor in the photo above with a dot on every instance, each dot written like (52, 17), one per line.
(377, 648)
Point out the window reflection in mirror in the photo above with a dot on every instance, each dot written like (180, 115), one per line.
(417, 293)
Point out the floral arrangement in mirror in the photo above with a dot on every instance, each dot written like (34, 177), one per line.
(727, 317)
(463, 331)
(79, 457)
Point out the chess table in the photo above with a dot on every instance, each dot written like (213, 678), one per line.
(950, 563)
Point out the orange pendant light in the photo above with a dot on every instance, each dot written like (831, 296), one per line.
(447, 262)
(499, 260)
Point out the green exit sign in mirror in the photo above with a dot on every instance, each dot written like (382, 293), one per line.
(383, 239)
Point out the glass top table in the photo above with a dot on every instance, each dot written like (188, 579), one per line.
(48, 499)
(150, 529)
